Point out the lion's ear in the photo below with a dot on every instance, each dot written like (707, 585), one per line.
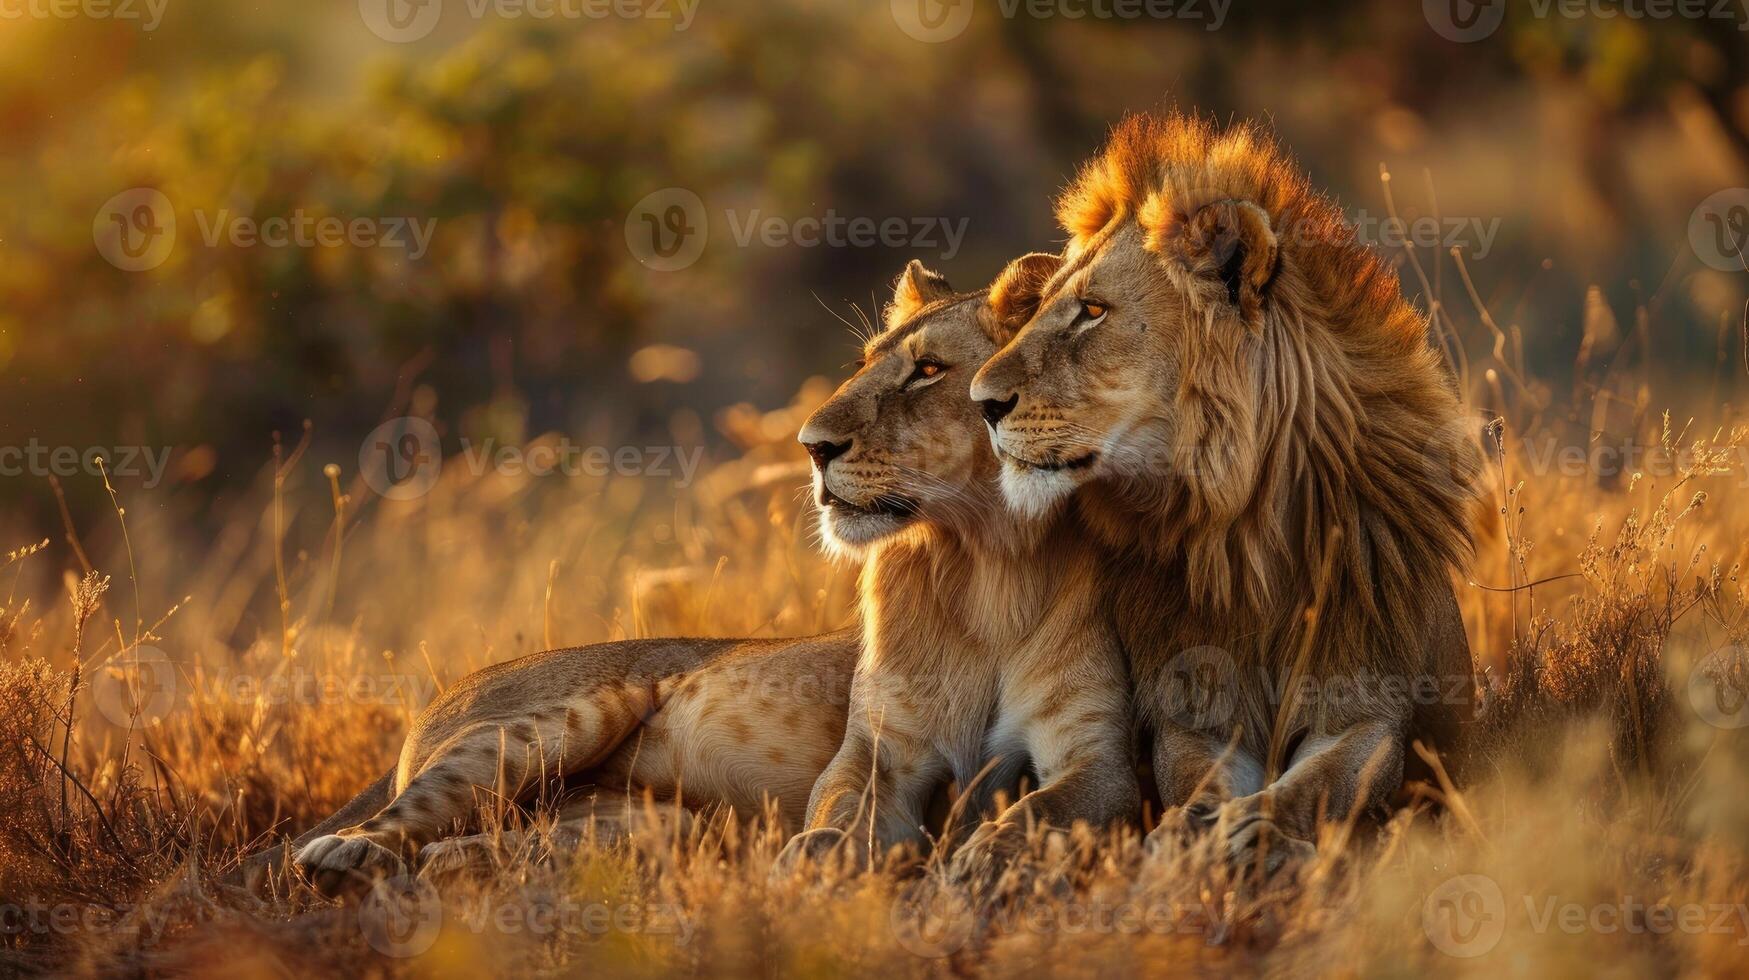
(1017, 291)
(1227, 246)
(917, 287)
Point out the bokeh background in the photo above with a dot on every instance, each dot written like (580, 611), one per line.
(1574, 150)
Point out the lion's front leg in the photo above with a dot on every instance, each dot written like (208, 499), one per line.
(1197, 773)
(1331, 778)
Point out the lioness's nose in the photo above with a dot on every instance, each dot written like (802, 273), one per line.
(995, 411)
(826, 452)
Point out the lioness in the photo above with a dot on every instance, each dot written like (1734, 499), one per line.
(985, 645)
(701, 721)
(1254, 423)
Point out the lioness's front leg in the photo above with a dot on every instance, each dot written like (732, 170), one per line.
(1077, 733)
(869, 799)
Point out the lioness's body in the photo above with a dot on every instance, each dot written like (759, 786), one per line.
(741, 722)
(698, 722)
(986, 647)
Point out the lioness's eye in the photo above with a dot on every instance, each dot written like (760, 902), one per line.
(924, 370)
(1092, 310)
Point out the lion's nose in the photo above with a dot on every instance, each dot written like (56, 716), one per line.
(826, 452)
(995, 411)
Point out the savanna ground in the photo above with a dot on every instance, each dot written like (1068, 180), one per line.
(1602, 831)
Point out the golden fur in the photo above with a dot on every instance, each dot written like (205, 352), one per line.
(1252, 420)
(985, 645)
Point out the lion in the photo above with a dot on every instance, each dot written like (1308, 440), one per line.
(708, 722)
(1250, 418)
(987, 653)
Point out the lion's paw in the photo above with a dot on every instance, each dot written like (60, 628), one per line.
(1259, 845)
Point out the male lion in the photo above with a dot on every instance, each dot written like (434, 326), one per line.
(699, 721)
(1253, 422)
(985, 646)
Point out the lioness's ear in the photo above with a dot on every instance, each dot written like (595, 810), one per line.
(1228, 247)
(1015, 295)
(917, 287)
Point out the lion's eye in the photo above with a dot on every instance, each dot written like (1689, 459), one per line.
(1092, 311)
(924, 370)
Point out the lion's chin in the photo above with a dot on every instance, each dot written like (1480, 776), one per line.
(1035, 493)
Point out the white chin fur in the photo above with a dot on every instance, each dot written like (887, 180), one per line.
(849, 536)
(1034, 493)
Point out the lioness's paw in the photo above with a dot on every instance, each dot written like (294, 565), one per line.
(809, 847)
(333, 862)
(979, 863)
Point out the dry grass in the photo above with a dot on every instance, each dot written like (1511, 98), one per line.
(1604, 797)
